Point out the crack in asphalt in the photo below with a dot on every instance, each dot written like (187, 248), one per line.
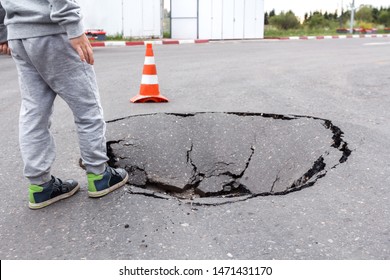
(194, 180)
(276, 180)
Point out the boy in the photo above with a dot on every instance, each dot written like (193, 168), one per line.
(54, 57)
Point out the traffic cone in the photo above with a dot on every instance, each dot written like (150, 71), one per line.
(149, 90)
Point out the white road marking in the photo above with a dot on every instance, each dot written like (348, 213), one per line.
(376, 44)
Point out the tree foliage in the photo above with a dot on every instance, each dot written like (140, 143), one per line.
(384, 17)
(285, 21)
(365, 15)
(319, 20)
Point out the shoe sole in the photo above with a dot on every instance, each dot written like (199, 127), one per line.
(35, 206)
(110, 189)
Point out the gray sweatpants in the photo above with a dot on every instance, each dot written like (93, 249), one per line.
(48, 66)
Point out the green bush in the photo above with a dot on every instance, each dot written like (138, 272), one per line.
(318, 21)
(285, 21)
(365, 13)
(384, 18)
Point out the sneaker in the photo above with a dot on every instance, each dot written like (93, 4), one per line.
(110, 180)
(50, 192)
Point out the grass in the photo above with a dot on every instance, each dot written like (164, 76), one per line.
(117, 37)
(270, 31)
(127, 39)
(297, 32)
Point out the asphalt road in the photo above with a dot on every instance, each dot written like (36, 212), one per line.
(345, 215)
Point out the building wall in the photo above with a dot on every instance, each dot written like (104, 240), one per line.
(184, 19)
(132, 18)
(217, 19)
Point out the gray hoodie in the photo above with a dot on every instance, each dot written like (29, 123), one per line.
(20, 19)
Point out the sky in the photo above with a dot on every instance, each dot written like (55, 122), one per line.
(300, 7)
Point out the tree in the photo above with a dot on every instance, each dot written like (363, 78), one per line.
(266, 19)
(326, 16)
(317, 20)
(335, 15)
(365, 13)
(285, 20)
(345, 16)
(375, 15)
(384, 18)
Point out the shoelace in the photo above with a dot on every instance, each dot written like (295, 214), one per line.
(59, 185)
(113, 171)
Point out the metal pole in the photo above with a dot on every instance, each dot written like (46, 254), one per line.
(197, 20)
(341, 15)
(352, 15)
(123, 25)
(161, 18)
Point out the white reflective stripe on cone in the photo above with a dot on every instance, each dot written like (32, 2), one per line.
(149, 80)
(149, 60)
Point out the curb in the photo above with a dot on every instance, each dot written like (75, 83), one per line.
(141, 43)
(202, 41)
(330, 37)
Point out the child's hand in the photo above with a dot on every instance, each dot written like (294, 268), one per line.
(83, 48)
(4, 49)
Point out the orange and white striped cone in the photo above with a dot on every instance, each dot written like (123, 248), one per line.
(149, 90)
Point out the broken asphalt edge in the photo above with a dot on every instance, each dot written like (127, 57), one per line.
(316, 172)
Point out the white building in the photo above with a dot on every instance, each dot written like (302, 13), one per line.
(130, 18)
(190, 19)
(217, 19)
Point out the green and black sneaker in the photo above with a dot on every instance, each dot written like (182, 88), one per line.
(50, 192)
(102, 184)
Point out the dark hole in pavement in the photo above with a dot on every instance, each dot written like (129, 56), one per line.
(213, 158)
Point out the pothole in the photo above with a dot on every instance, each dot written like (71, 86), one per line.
(213, 158)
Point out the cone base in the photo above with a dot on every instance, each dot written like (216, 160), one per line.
(144, 99)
